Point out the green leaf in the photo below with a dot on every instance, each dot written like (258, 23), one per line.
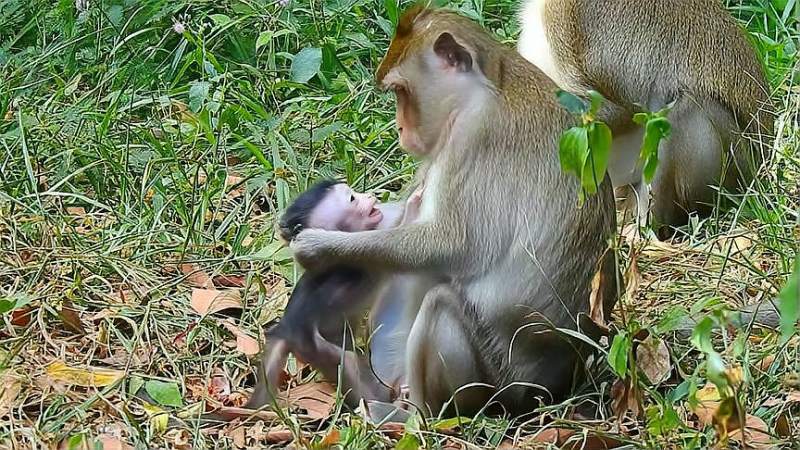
(789, 303)
(715, 371)
(449, 424)
(134, 384)
(306, 64)
(164, 393)
(407, 442)
(657, 128)
(701, 335)
(198, 93)
(263, 39)
(572, 150)
(392, 12)
(672, 319)
(618, 354)
(596, 161)
(573, 103)
(220, 20)
(596, 100)
(115, 14)
(16, 301)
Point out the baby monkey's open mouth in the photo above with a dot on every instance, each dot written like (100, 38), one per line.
(374, 212)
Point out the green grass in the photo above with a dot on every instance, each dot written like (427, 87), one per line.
(111, 111)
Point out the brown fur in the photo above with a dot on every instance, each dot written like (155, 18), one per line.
(517, 254)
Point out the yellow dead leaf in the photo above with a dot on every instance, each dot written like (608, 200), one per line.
(10, 387)
(158, 418)
(80, 376)
(244, 343)
(208, 301)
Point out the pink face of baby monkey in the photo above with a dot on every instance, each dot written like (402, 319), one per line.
(346, 210)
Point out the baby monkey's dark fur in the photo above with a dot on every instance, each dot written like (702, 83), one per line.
(316, 325)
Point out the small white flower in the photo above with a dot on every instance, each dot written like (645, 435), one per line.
(283, 3)
(81, 5)
(178, 27)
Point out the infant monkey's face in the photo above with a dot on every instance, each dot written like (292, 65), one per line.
(346, 210)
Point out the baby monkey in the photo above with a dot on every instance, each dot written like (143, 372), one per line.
(315, 323)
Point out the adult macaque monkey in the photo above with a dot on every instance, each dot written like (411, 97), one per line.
(498, 220)
(652, 53)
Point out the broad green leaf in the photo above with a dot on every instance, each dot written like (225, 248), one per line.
(220, 20)
(618, 354)
(657, 128)
(407, 442)
(672, 319)
(164, 393)
(198, 93)
(134, 384)
(701, 335)
(572, 150)
(16, 301)
(392, 11)
(263, 39)
(789, 305)
(596, 161)
(306, 64)
(573, 103)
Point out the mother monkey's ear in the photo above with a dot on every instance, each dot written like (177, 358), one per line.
(452, 53)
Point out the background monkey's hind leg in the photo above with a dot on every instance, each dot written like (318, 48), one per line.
(441, 357)
(699, 154)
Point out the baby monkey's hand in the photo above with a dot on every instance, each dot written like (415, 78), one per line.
(413, 205)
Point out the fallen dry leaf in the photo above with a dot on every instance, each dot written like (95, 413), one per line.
(219, 387)
(209, 301)
(179, 438)
(793, 397)
(112, 443)
(632, 278)
(755, 434)
(244, 343)
(10, 387)
(652, 358)
(196, 277)
(317, 398)
(330, 439)
(85, 443)
(70, 318)
(76, 211)
(596, 300)
(21, 317)
(230, 281)
(783, 426)
(572, 440)
(157, 417)
(79, 376)
(625, 397)
(238, 437)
